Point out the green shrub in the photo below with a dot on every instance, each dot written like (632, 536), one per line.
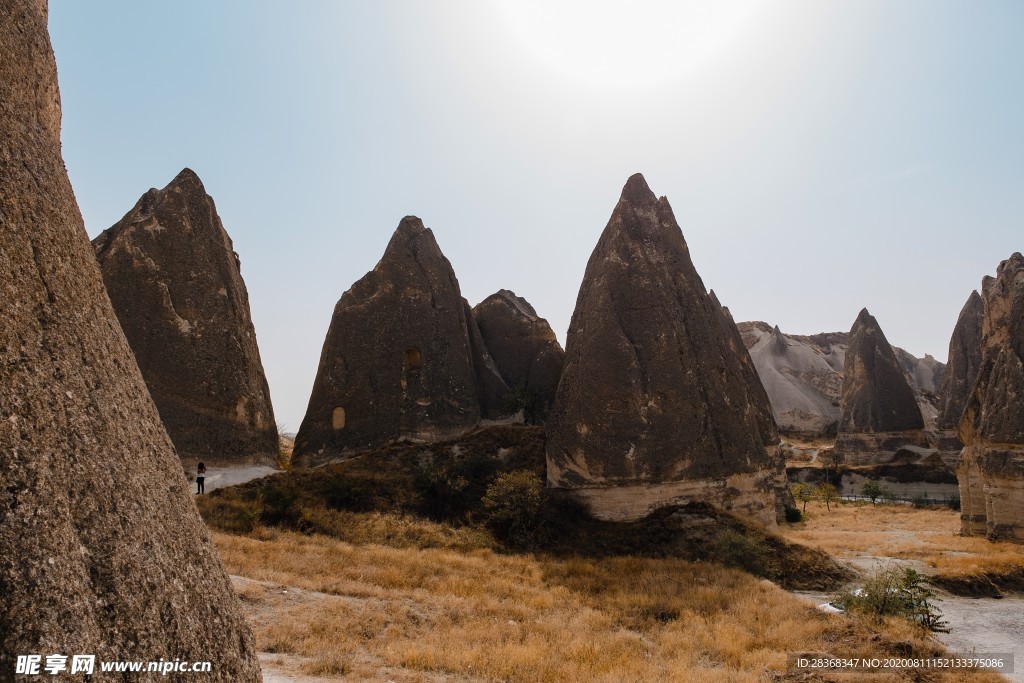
(871, 490)
(280, 505)
(793, 515)
(900, 592)
(512, 507)
(734, 549)
(346, 493)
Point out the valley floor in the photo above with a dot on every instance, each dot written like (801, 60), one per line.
(326, 610)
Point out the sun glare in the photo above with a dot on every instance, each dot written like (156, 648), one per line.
(636, 44)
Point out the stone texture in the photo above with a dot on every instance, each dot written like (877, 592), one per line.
(991, 469)
(101, 548)
(653, 406)
(175, 281)
(961, 372)
(879, 411)
(523, 345)
(491, 386)
(397, 362)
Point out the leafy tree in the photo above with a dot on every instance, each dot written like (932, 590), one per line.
(803, 493)
(827, 493)
(872, 490)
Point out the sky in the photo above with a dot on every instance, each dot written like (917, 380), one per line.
(820, 157)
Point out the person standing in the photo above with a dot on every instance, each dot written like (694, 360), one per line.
(200, 478)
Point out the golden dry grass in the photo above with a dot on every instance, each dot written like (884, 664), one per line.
(443, 614)
(930, 535)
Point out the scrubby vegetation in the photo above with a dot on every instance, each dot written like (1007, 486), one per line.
(486, 491)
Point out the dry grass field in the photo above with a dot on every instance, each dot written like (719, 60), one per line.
(931, 536)
(334, 610)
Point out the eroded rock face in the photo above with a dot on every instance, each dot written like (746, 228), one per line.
(397, 362)
(802, 383)
(961, 371)
(879, 411)
(102, 551)
(991, 469)
(523, 345)
(175, 281)
(491, 387)
(653, 407)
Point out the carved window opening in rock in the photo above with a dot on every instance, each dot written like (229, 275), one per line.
(413, 360)
(338, 418)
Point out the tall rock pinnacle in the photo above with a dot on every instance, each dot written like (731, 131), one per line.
(879, 412)
(397, 361)
(991, 469)
(102, 551)
(961, 372)
(654, 406)
(176, 285)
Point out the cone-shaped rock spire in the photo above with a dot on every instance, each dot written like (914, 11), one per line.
(175, 281)
(397, 361)
(654, 406)
(879, 412)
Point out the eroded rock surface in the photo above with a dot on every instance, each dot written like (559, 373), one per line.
(653, 407)
(523, 345)
(397, 362)
(961, 371)
(991, 469)
(879, 411)
(175, 281)
(102, 550)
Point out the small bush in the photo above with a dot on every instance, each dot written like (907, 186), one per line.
(953, 503)
(346, 493)
(920, 500)
(871, 490)
(900, 592)
(793, 515)
(734, 549)
(280, 505)
(512, 507)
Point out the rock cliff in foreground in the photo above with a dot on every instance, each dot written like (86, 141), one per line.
(102, 551)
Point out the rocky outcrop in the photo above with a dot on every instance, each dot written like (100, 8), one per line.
(523, 346)
(803, 386)
(879, 411)
(102, 551)
(653, 407)
(991, 469)
(961, 372)
(175, 281)
(397, 362)
(491, 387)
(803, 375)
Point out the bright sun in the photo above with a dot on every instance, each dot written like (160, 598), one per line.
(635, 44)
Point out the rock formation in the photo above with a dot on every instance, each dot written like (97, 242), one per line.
(491, 387)
(523, 345)
(102, 551)
(803, 375)
(653, 407)
(991, 469)
(961, 372)
(803, 386)
(398, 360)
(174, 279)
(879, 411)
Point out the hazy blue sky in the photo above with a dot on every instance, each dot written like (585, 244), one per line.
(820, 156)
